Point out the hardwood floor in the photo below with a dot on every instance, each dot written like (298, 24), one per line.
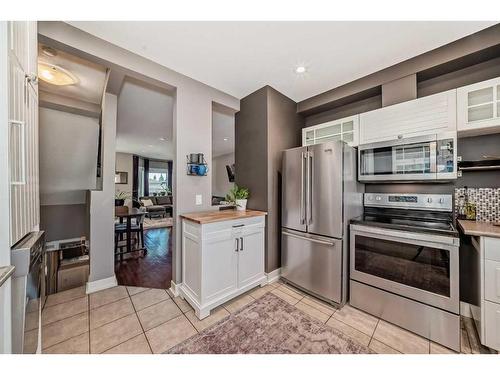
(153, 270)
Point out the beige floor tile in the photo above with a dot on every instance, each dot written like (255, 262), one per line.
(358, 319)
(284, 296)
(65, 329)
(106, 296)
(114, 333)
(171, 333)
(182, 304)
(439, 349)
(400, 339)
(135, 289)
(237, 303)
(136, 345)
(110, 312)
(311, 311)
(75, 345)
(215, 316)
(319, 305)
(149, 298)
(260, 291)
(64, 310)
(295, 293)
(155, 315)
(348, 331)
(67, 295)
(380, 348)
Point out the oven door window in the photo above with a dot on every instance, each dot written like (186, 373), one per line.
(421, 267)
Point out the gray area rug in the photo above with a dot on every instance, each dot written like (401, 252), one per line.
(269, 325)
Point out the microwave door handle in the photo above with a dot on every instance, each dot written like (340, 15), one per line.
(433, 156)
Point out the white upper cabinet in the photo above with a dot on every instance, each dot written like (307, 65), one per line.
(345, 129)
(478, 108)
(431, 114)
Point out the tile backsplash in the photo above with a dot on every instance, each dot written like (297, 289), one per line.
(487, 202)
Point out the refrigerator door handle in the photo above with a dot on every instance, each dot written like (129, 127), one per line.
(309, 186)
(302, 197)
(329, 243)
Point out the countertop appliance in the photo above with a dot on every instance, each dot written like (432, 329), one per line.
(28, 292)
(404, 264)
(320, 194)
(425, 158)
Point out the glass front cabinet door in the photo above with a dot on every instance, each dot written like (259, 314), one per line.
(478, 108)
(345, 129)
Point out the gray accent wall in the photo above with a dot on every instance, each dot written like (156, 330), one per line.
(64, 221)
(266, 124)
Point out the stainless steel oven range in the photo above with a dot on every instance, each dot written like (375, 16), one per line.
(404, 267)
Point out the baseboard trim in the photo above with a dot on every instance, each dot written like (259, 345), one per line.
(174, 288)
(273, 276)
(465, 309)
(97, 285)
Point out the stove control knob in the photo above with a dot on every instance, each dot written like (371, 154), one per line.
(378, 198)
(429, 200)
(441, 200)
(370, 198)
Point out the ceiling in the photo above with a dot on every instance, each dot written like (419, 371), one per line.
(91, 77)
(145, 115)
(222, 132)
(241, 57)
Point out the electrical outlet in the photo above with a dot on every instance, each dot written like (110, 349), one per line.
(199, 201)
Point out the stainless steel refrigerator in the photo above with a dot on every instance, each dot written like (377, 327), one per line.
(320, 195)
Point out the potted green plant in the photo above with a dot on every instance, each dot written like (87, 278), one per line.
(238, 196)
(120, 197)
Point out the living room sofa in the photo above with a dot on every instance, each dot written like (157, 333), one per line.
(162, 205)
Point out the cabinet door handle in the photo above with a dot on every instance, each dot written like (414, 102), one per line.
(241, 245)
(237, 244)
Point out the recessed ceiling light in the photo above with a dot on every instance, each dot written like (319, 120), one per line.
(150, 145)
(163, 139)
(300, 69)
(55, 75)
(226, 139)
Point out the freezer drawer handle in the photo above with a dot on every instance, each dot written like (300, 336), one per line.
(309, 239)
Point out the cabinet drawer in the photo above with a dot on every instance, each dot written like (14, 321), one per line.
(492, 248)
(492, 280)
(492, 324)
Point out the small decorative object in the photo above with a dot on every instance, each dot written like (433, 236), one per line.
(196, 165)
(120, 197)
(469, 207)
(238, 196)
(121, 178)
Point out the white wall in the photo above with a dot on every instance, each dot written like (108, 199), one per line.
(124, 163)
(102, 205)
(192, 113)
(68, 156)
(220, 180)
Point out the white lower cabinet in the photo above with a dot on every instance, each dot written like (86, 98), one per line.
(221, 261)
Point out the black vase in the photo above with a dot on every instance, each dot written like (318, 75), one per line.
(119, 202)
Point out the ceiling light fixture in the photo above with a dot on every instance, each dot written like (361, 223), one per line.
(301, 69)
(55, 75)
(163, 139)
(226, 139)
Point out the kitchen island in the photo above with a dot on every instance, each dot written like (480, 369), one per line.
(222, 256)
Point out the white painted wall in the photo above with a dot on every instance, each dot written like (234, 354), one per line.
(68, 156)
(192, 114)
(102, 264)
(220, 180)
(124, 163)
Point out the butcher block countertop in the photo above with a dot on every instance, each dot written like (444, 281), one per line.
(207, 217)
(478, 228)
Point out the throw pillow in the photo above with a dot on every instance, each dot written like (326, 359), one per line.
(147, 203)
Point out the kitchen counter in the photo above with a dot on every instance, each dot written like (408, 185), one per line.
(207, 217)
(5, 273)
(478, 228)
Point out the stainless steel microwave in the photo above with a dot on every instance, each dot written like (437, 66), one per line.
(426, 158)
